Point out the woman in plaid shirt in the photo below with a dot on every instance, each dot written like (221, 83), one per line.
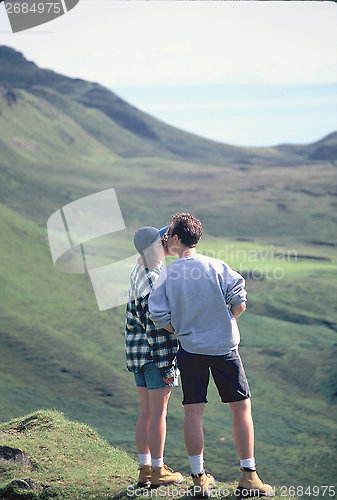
(150, 355)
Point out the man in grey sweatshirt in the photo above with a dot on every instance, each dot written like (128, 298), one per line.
(199, 299)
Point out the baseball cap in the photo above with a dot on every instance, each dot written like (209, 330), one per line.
(147, 236)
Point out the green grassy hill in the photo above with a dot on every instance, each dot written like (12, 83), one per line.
(69, 460)
(270, 213)
(66, 460)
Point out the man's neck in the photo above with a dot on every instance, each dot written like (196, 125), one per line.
(186, 252)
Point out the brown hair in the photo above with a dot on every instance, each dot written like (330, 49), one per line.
(187, 228)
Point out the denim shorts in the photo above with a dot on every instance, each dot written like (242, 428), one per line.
(149, 376)
(227, 371)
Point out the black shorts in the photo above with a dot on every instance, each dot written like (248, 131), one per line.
(227, 371)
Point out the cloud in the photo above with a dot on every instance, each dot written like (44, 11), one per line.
(143, 43)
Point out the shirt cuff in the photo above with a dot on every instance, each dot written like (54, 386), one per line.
(168, 371)
(161, 322)
(240, 301)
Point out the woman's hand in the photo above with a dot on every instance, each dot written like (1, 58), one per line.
(169, 381)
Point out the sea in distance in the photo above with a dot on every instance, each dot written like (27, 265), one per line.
(243, 114)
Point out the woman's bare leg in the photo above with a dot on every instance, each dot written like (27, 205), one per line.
(158, 401)
(142, 425)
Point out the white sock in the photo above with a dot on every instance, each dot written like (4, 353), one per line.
(157, 462)
(248, 463)
(196, 463)
(144, 459)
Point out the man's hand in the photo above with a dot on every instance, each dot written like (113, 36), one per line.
(237, 309)
(169, 328)
(169, 381)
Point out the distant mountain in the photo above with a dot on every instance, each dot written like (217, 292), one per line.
(138, 133)
(324, 149)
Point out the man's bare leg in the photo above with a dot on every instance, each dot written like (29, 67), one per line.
(194, 440)
(193, 432)
(243, 428)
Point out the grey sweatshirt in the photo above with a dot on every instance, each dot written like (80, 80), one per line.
(194, 295)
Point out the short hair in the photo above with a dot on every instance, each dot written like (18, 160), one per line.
(187, 228)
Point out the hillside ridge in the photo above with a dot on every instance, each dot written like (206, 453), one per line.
(17, 72)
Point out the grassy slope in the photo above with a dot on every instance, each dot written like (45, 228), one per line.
(96, 123)
(59, 352)
(39, 132)
(69, 460)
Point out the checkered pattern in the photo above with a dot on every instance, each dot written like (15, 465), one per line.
(143, 342)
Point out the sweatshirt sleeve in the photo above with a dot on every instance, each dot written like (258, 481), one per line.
(235, 292)
(159, 308)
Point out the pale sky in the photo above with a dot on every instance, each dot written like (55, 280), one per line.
(127, 43)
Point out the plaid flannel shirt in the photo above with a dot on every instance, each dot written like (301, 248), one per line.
(143, 342)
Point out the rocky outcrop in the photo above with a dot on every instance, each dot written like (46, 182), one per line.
(9, 96)
(15, 455)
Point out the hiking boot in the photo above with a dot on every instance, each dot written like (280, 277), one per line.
(203, 484)
(164, 475)
(144, 479)
(250, 485)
